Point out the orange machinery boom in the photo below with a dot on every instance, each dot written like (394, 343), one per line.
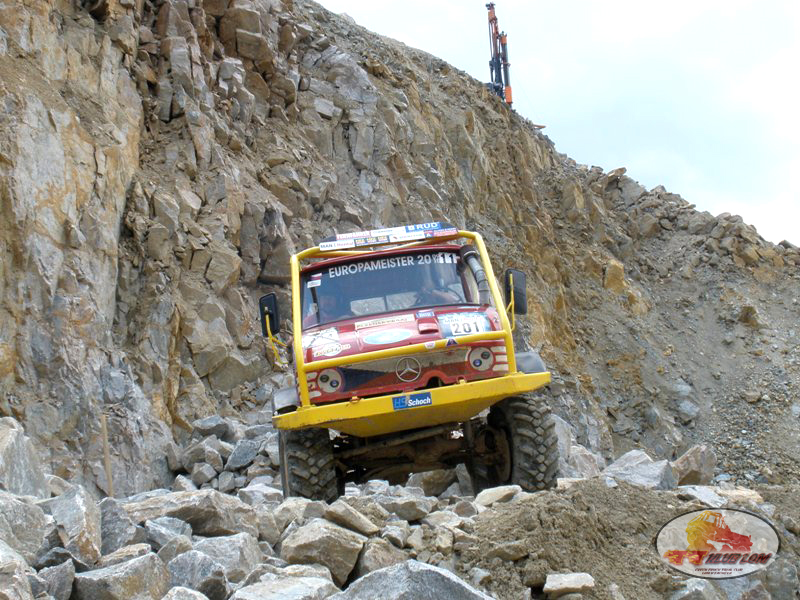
(498, 65)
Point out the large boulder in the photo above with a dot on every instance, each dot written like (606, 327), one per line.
(695, 466)
(408, 507)
(124, 554)
(14, 583)
(378, 554)
(297, 510)
(432, 483)
(78, 520)
(183, 593)
(341, 513)
(324, 543)
(558, 584)
(496, 495)
(243, 454)
(143, 578)
(163, 529)
(200, 572)
(209, 512)
(177, 545)
(637, 468)
(23, 526)
(20, 470)
(58, 580)
(116, 528)
(277, 587)
(207, 450)
(410, 579)
(238, 554)
(258, 493)
(213, 425)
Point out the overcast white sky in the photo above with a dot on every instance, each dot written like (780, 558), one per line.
(700, 96)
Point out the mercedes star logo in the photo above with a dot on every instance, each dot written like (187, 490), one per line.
(408, 369)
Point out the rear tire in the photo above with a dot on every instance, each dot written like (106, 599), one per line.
(532, 446)
(308, 468)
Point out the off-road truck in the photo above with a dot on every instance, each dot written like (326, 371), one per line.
(401, 342)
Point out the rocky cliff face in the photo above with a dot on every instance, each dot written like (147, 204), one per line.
(159, 162)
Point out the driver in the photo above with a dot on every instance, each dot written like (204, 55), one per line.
(332, 308)
(435, 293)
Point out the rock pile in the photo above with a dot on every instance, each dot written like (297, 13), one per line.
(197, 541)
(225, 455)
(247, 544)
(224, 136)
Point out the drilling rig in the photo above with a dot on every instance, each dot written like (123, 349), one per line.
(498, 66)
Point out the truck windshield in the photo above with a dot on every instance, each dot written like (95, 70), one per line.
(385, 284)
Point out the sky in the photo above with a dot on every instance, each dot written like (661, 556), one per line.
(702, 96)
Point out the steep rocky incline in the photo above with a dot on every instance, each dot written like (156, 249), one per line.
(159, 162)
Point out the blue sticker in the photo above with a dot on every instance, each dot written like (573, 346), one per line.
(424, 227)
(451, 342)
(411, 401)
(424, 314)
(389, 336)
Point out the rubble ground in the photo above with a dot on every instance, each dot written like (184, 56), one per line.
(607, 532)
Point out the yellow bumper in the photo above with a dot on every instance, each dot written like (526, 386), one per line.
(376, 416)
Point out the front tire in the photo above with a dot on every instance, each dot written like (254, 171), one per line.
(533, 442)
(307, 466)
(522, 433)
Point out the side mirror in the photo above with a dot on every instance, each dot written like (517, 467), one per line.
(517, 290)
(268, 307)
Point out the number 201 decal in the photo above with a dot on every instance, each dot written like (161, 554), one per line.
(454, 325)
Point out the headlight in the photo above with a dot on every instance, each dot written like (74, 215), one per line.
(330, 381)
(480, 359)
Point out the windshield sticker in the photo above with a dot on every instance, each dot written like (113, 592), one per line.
(329, 350)
(384, 321)
(392, 262)
(457, 324)
(336, 245)
(314, 283)
(320, 338)
(381, 239)
(389, 336)
(371, 265)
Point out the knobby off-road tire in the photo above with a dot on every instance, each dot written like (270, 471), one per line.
(307, 465)
(532, 441)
